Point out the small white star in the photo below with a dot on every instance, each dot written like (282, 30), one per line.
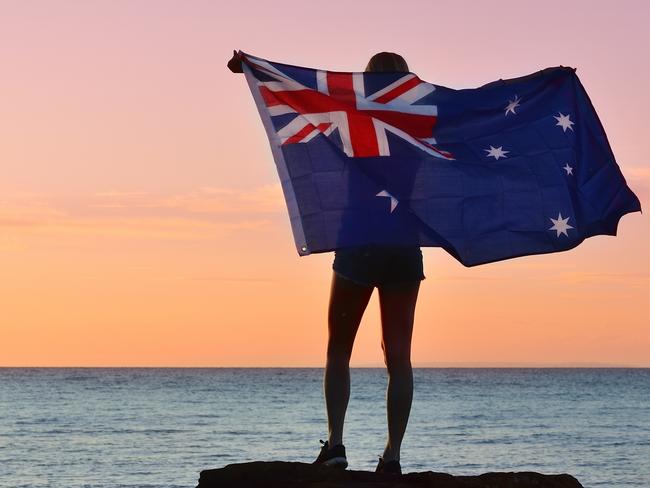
(393, 200)
(560, 225)
(512, 105)
(568, 169)
(496, 152)
(564, 121)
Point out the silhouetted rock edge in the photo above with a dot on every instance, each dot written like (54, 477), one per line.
(296, 474)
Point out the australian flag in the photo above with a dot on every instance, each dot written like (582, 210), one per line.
(512, 168)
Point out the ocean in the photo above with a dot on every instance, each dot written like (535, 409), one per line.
(159, 427)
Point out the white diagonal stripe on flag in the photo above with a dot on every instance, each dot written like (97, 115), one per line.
(390, 87)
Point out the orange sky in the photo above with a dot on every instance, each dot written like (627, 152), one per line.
(141, 219)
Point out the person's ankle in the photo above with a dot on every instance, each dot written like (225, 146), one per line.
(390, 455)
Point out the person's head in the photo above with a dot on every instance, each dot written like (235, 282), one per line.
(385, 61)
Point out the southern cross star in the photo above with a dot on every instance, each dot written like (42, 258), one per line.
(496, 152)
(564, 121)
(560, 225)
(514, 103)
(568, 169)
(393, 200)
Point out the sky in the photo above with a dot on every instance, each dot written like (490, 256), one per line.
(142, 221)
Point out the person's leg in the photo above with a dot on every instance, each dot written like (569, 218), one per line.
(397, 304)
(348, 301)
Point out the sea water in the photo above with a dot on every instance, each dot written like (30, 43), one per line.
(159, 427)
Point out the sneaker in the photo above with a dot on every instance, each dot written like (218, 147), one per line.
(391, 466)
(334, 456)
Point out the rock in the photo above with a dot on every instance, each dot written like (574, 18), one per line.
(293, 475)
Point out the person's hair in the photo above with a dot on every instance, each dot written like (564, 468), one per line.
(386, 61)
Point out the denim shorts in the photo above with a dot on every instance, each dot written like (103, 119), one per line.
(379, 265)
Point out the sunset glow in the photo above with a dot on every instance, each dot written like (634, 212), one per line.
(142, 221)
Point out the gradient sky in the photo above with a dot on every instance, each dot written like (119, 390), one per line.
(142, 221)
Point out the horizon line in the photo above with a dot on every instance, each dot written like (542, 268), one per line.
(357, 366)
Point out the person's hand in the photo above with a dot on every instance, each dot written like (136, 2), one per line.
(234, 64)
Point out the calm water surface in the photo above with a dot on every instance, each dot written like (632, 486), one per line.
(149, 427)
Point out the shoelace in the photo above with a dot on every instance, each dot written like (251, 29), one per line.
(325, 446)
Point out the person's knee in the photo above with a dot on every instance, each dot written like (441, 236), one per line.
(397, 360)
(342, 332)
(338, 354)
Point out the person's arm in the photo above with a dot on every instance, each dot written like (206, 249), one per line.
(234, 64)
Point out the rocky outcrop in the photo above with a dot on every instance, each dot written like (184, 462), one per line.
(293, 475)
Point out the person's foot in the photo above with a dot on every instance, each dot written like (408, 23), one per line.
(334, 456)
(393, 466)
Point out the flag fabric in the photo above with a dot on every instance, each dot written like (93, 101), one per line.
(515, 167)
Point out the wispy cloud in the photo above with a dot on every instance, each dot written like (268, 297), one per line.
(638, 178)
(233, 279)
(196, 214)
(204, 200)
(605, 277)
(638, 172)
(121, 194)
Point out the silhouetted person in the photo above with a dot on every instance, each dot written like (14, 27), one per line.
(396, 271)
